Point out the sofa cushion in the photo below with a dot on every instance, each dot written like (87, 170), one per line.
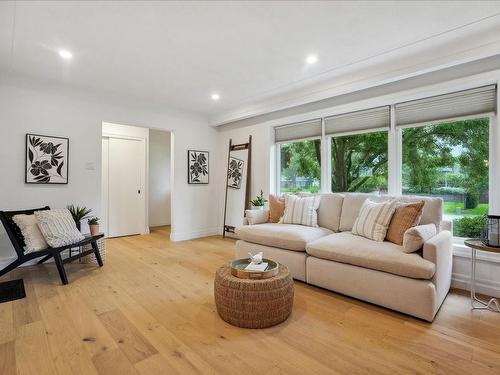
(373, 219)
(348, 248)
(432, 212)
(329, 211)
(276, 208)
(285, 236)
(407, 215)
(301, 210)
(351, 206)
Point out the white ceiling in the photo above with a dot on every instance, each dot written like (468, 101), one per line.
(177, 53)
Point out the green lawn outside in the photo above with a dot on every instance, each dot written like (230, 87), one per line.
(451, 208)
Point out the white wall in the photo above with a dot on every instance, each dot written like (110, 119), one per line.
(44, 109)
(159, 178)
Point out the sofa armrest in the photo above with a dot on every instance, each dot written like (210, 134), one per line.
(446, 225)
(439, 250)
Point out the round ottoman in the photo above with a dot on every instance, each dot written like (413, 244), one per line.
(251, 303)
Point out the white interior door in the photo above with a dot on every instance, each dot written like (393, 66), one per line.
(126, 198)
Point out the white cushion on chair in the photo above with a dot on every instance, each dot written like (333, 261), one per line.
(33, 238)
(58, 227)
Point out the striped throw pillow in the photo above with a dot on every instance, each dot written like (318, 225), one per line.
(373, 219)
(301, 210)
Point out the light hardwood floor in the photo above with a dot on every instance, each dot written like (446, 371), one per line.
(150, 310)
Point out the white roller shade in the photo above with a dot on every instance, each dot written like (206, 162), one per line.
(301, 130)
(477, 101)
(367, 119)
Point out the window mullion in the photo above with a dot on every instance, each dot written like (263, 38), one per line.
(395, 157)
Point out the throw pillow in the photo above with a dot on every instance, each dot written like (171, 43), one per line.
(58, 227)
(257, 216)
(301, 210)
(33, 238)
(406, 216)
(373, 219)
(414, 238)
(276, 208)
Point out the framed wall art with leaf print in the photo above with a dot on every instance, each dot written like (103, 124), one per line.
(198, 167)
(235, 172)
(46, 159)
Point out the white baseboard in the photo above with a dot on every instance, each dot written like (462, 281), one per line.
(184, 236)
(483, 286)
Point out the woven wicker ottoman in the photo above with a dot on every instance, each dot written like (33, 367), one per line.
(253, 303)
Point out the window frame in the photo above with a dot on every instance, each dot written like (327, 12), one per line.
(395, 156)
(278, 158)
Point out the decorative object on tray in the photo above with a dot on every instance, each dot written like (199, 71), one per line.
(79, 213)
(490, 235)
(259, 202)
(46, 159)
(93, 223)
(245, 269)
(235, 172)
(257, 258)
(253, 303)
(198, 164)
(91, 259)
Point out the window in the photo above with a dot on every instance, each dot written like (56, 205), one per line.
(300, 166)
(450, 160)
(359, 162)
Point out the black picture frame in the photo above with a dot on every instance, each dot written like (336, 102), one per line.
(203, 177)
(50, 170)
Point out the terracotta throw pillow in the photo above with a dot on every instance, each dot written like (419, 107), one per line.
(276, 208)
(406, 216)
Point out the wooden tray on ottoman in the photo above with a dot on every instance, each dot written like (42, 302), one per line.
(238, 269)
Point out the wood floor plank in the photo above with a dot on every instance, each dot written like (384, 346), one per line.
(113, 362)
(130, 341)
(8, 358)
(150, 310)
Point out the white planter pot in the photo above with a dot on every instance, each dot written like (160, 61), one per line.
(257, 207)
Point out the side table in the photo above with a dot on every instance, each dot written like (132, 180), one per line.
(477, 303)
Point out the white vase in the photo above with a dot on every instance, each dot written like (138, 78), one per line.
(258, 207)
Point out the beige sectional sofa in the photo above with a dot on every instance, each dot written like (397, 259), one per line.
(331, 257)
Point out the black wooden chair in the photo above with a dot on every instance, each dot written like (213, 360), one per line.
(17, 240)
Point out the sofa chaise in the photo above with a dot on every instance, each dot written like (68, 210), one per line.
(331, 257)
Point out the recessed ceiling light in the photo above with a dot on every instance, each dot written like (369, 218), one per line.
(312, 59)
(65, 54)
(215, 97)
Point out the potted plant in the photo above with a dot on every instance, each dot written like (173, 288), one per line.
(259, 201)
(93, 223)
(79, 213)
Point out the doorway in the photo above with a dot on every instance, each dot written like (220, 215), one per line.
(136, 180)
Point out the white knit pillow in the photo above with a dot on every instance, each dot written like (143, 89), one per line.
(58, 227)
(301, 210)
(414, 238)
(33, 238)
(373, 219)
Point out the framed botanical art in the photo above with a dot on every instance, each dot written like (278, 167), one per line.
(198, 167)
(235, 172)
(46, 159)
